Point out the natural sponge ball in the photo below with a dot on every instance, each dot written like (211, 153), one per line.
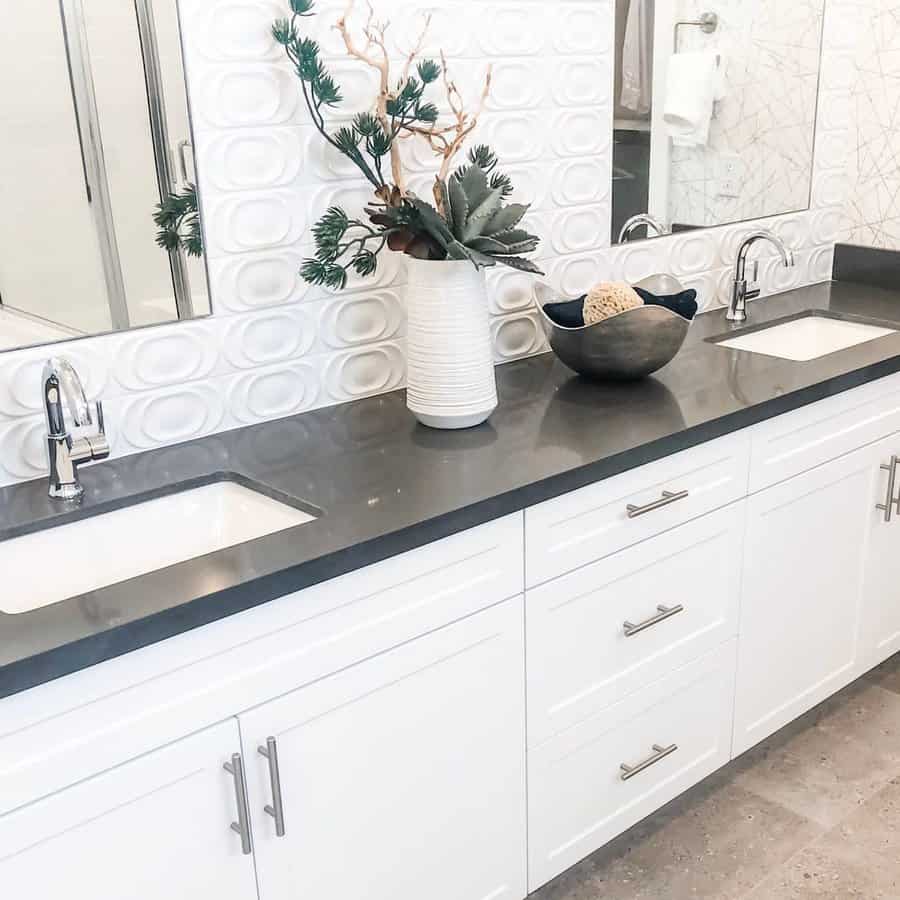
(608, 299)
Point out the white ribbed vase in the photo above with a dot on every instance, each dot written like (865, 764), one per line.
(450, 358)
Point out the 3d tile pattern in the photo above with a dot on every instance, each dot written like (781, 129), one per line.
(276, 347)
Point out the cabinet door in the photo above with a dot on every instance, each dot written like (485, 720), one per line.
(881, 606)
(801, 600)
(157, 826)
(402, 777)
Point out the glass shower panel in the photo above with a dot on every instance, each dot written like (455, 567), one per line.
(131, 165)
(51, 266)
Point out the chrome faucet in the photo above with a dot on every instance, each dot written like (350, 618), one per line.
(740, 294)
(653, 225)
(63, 388)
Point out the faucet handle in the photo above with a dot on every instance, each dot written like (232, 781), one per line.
(98, 416)
(98, 442)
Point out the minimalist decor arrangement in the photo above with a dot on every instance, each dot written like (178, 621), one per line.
(618, 332)
(178, 221)
(466, 226)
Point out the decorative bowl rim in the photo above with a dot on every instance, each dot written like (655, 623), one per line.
(625, 312)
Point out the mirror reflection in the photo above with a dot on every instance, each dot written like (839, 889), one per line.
(100, 229)
(715, 112)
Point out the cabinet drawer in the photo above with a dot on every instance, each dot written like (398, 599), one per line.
(580, 659)
(104, 715)
(800, 440)
(588, 524)
(578, 800)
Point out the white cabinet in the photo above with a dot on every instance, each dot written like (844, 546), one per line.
(593, 781)
(881, 592)
(402, 777)
(608, 629)
(805, 562)
(157, 826)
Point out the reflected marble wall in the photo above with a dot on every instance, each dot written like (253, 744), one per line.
(770, 57)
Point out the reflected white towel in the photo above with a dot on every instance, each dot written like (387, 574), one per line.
(637, 58)
(693, 86)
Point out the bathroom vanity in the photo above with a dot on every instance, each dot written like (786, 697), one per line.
(485, 656)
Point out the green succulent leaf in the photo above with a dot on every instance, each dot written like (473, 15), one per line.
(506, 218)
(432, 221)
(459, 205)
(520, 263)
(513, 236)
(489, 245)
(481, 215)
(475, 184)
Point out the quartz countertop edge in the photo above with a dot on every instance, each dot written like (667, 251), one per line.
(387, 485)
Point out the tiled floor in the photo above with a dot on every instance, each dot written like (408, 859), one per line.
(812, 812)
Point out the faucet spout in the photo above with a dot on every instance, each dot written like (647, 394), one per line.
(62, 389)
(740, 294)
(653, 225)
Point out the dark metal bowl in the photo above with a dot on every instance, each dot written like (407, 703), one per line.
(624, 347)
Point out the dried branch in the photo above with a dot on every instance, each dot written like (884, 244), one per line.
(374, 33)
(417, 49)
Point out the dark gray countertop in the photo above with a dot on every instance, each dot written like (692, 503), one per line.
(387, 485)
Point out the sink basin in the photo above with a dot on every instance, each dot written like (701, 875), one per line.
(71, 559)
(807, 336)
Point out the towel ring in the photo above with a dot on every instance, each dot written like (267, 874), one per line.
(707, 23)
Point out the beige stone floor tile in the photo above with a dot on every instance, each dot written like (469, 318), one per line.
(875, 826)
(867, 713)
(831, 869)
(714, 843)
(887, 675)
(819, 773)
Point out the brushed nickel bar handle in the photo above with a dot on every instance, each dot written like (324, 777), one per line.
(888, 505)
(668, 498)
(242, 827)
(659, 753)
(276, 810)
(664, 612)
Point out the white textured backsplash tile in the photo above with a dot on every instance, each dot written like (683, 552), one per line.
(275, 346)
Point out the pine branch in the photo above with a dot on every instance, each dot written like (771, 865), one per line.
(178, 220)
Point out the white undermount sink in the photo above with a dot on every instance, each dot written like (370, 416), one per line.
(95, 552)
(804, 338)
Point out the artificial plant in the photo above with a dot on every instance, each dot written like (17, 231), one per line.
(469, 218)
(178, 220)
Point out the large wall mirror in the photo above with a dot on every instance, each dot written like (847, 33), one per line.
(99, 229)
(715, 112)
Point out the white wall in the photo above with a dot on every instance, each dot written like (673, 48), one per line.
(274, 346)
(873, 203)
